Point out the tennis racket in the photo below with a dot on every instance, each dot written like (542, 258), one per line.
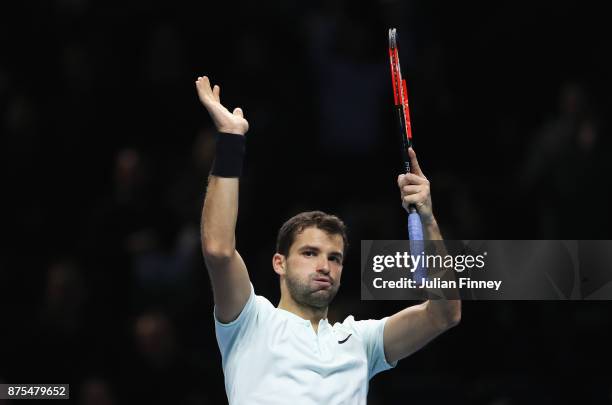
(400, 97)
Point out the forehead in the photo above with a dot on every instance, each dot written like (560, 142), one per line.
(316, 237)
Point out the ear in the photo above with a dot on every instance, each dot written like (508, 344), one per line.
(279, 264)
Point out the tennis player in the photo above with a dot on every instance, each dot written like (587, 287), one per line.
(290, 353)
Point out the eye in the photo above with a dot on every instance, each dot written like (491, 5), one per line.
(309, 253)
(335, 259)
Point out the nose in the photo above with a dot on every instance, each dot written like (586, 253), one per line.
(323, 265)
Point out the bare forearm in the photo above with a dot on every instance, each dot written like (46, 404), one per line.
(220, 210)
(446, 313)
(431, 231)
(219, 216)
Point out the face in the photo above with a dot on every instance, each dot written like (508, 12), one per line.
(313, 267)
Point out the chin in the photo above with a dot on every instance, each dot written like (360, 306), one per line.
(322, 298)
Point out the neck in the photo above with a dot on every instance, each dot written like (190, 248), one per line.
(313, 314)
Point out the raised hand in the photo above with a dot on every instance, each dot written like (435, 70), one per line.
(225, 121)
(414, 188)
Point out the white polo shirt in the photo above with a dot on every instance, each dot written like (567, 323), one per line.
(272, 356)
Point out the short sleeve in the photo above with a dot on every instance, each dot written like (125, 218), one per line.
(228, 334)
(371, 332)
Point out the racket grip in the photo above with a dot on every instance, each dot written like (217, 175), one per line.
(417, 245)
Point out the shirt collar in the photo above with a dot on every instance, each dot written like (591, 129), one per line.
(299, 319)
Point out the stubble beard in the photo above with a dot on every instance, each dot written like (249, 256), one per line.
(304, 294)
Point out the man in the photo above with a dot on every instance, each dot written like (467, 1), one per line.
(291, 353)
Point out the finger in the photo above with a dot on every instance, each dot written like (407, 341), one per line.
(416, 199)
(203, 85)
(414, 163)
(411, 178)
(217, 93)
(413, 189)
(238, 112)
(204, 82)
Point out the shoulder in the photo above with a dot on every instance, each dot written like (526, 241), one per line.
(264, 306)
(257, 306)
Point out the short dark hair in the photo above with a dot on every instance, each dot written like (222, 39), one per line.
(331, 224)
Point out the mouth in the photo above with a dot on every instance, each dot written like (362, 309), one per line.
(323, 281)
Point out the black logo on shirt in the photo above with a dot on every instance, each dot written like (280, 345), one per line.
(347, 338)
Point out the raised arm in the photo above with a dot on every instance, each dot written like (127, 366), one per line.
(412, 328)
(228, 273)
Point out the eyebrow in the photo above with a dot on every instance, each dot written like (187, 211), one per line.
(310, 247)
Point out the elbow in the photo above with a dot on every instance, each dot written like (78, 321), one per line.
(454, 314)
(216, 252)
(454, 319)
(447, 316)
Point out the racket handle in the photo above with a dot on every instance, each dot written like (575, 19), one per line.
(417, 245)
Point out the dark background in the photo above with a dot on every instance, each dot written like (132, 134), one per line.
(106, 149)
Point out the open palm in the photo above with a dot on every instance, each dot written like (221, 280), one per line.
(225, 121)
